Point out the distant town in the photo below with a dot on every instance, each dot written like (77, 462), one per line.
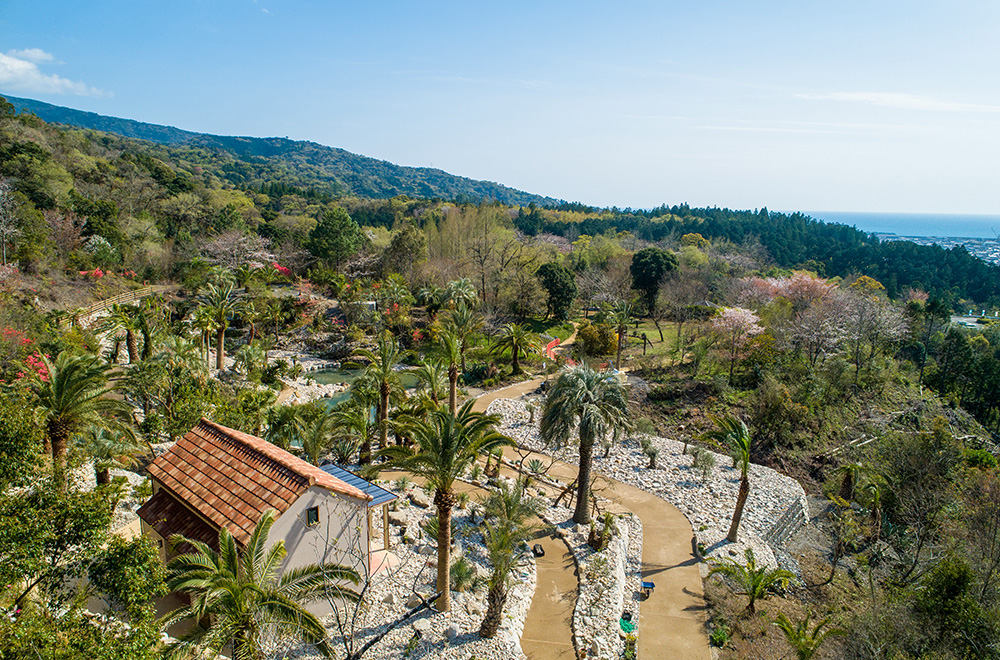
(987, 249)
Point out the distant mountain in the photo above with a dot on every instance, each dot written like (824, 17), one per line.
(308, 164)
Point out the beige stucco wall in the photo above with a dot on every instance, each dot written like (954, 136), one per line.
(341, 537)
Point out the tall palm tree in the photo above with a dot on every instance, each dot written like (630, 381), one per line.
(463, 322)
(451, 347)
(620, 316)
(433, 377)
(507, 511)
(201, 320)
(240, 597)
(460, 292)
(599, 403)
(108, 450)
(123, 320)
(804, 641)
(752, 581)
(733, 432)
(515, 338)
(445, 446)
(74, 396)
(222, 305)
(381, 371)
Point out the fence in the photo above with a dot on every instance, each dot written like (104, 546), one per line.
(102, 305)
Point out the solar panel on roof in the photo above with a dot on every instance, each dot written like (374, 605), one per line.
(379, 495)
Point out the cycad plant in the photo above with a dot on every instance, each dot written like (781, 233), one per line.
(508, 512)
(803, 640)
(109, 449)
(239, 600)
(754, 582)
(123, 320)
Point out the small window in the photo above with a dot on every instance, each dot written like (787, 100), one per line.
(312, 516)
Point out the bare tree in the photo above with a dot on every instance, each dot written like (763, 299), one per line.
(236, 248)
(8, 221)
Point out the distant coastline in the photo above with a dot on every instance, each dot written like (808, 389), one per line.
(940, 225)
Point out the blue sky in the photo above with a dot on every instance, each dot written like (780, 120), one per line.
(845, 106)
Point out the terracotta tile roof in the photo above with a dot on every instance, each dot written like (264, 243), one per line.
(164, 513)
(231, 478)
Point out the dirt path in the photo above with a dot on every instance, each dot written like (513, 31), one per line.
(672, 620)
(548, 627)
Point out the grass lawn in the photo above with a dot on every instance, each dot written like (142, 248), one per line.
(559, 329)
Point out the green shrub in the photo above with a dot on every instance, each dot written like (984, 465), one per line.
(720, 635)
(980, 458)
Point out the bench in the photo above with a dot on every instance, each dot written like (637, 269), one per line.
(647, 588)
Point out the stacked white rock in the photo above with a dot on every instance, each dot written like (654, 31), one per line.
(707, 503)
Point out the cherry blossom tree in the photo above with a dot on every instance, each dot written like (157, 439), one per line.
(236, 248)
(736, 327)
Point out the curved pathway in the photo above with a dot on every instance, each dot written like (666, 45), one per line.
(672, 623)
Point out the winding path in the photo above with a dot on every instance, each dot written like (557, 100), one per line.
(672, 624)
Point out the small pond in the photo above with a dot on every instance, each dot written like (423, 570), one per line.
(331, 376)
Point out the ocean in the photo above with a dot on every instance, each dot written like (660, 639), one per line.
(916, 224)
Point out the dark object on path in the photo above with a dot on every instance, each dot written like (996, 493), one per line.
(647, 588)
(538, 550)
(627, 615)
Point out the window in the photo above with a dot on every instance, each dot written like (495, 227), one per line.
(312, 516)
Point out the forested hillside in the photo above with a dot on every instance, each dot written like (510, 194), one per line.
(248, 161)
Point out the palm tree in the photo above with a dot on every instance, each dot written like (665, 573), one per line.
(463, 322)
(752, 581)
(221, 304)
(71, 397)
(108, 450)
(515, 338)
(316, 435)
(802, 640)
(242, 600)
(201, 320)
(381, 372)
(507, 511)
(243, 274)
(433, 377)
(620, 316)
(460, 292)
(733, 432)
(353, 428)
(451, 346)
(445, 446)
(599, 403)
(122, 319)
(283, 424)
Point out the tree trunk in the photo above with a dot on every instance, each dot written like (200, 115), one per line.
(452, 388)
(582, 514)
(618, 352)
(220, 348)
(444, 502)
(58, 434)
(365, 451)
(515, 365)
(738, 513)
(116, 349)
(461, 353)
(133, 347)
(383, 416)
(496, 599)
(656, 322)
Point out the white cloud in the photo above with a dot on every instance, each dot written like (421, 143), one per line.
(902, 101)
(32, 55)
(19, 72)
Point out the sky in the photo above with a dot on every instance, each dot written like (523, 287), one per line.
(876, 106)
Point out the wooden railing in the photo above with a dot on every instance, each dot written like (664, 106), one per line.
(102, 305)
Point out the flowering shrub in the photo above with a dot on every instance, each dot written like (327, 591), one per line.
(287, 272)
(736, 328)
(97, 273)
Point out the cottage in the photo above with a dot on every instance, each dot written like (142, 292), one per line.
(217, 477)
